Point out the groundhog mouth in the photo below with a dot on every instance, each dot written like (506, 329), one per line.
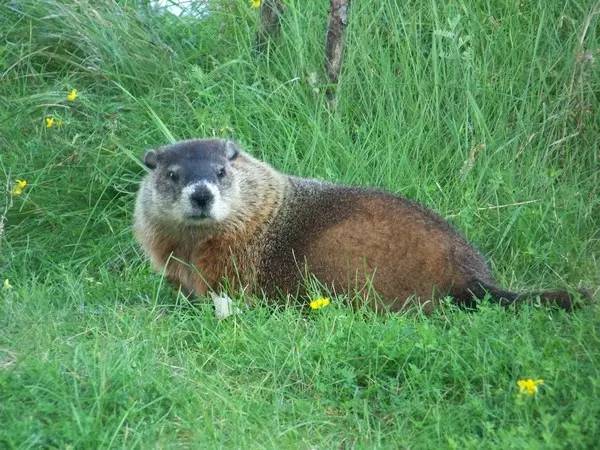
(198, 217)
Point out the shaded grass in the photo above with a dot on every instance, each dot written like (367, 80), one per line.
(485, 112)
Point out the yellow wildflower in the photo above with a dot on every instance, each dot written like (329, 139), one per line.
(319, 303)
(18, 187)
(7, 284)
(255, 4)
(53, 122)
(529, 386)
(72, 95)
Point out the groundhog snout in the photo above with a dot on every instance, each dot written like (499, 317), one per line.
(201, 198)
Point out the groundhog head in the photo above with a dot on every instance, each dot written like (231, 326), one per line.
(192, 182)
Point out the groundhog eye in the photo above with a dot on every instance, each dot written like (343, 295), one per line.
(221, 172)
(172, 175)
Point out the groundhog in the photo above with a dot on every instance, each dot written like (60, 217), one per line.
(208, 212)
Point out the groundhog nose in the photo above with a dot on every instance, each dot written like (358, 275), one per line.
(201, 197)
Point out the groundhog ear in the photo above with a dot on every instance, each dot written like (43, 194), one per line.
(151, 159)
(231, 150)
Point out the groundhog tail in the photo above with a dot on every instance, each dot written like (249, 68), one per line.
(557, 298)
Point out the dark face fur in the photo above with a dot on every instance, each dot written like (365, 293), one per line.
(192, 181)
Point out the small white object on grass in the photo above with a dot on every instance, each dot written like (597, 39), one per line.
(223, 306)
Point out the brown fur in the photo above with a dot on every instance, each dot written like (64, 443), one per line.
(348, 238)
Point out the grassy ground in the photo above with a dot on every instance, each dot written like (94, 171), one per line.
(485, 111)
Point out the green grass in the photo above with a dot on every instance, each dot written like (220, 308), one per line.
(485, 111)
